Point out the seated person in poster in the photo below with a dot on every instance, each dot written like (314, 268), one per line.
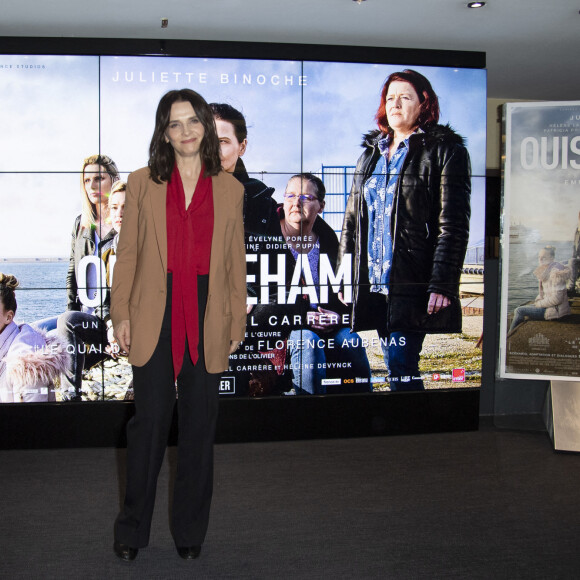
(552, 300)
(30, 360)
(574, 282)
(323, 337)
(86, 324)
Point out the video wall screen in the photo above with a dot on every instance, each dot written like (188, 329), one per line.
(301, 117)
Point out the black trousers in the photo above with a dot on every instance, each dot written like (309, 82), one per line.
(148, 430)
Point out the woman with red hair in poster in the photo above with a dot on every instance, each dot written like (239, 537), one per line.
(406, 225)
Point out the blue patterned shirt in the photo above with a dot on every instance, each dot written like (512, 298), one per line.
(379, 191)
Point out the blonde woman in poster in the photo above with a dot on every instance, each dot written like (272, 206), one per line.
(406, 225)
(116, 209)
(178, 305)
(84, 326)
(92, 231)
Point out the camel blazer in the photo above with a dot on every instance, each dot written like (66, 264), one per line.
(139, 286)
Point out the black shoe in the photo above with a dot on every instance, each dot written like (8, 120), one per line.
(125, 552)
(189, 553)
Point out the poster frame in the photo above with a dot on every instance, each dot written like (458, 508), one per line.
(508, 245)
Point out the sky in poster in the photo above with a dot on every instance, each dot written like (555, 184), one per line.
(56, 110)
(542, 184)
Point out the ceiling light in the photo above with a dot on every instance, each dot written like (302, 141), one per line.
(358, 1)
(476, 4)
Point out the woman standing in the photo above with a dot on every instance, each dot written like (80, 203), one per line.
(92, 230)
(178, 307)
(406, 225)
(86, 320)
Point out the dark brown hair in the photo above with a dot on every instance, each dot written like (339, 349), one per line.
(429, 113)
(227, 113)
(8, 283)
(161, 153)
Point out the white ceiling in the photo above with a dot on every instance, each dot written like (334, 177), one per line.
(532, 46)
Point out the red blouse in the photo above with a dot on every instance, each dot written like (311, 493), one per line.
(189, 233)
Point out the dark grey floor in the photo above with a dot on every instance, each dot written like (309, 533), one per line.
(487, 504)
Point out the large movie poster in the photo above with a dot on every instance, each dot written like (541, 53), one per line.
(301, 117)
(540, 305)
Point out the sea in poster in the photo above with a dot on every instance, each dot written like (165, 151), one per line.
(540, 295)
(301, 116)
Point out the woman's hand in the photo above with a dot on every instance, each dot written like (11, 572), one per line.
(234, 345)
(122, 333)
(322, 320)
(437, 302)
